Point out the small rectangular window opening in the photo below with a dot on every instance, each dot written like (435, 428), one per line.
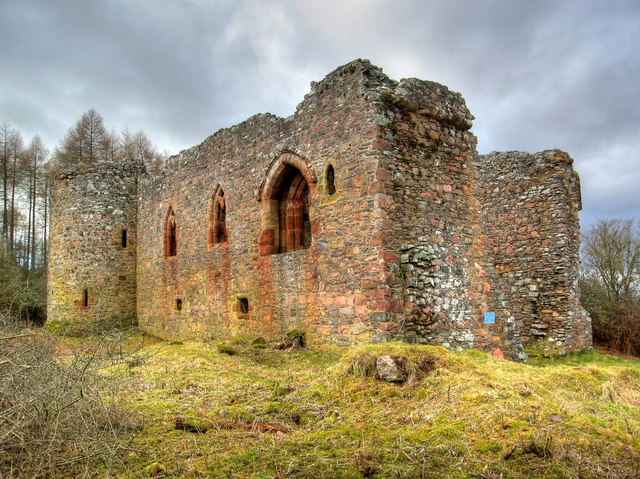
(124, 238)
(85, 298)
(243, 304)
(178, 305)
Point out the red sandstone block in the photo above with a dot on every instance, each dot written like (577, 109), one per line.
(380, 293)
(396, 305)
(267, 237)
(387, 278)
(374, 132)
(498, 354)
(368, 284)
(379, 238)
(387, 326)
(376, 187)
(379, 144)
(383, 175)
(447, 188)
(388, 257)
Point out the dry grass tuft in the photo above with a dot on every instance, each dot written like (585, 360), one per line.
(360, 361)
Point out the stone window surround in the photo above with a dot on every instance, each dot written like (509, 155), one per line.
(270, 195)
(218, 233)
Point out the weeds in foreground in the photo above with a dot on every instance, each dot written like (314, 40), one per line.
(55, 417)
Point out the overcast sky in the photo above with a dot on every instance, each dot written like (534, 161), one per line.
(536, 74)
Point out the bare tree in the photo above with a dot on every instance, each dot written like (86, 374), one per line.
(138, 148)
(610, 283)
(87, 142)
(36, 156)
(611, 252)
(4, 137)
(16, 152)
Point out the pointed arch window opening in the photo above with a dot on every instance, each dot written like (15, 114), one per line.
(170, 235)
(330, 181)
(288, 224)
(218, 232)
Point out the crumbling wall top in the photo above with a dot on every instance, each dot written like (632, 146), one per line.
(112, 168)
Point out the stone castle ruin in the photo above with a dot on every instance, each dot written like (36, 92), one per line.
(367, 215)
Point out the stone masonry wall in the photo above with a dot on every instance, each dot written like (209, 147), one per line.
(531, 205)
(92, 273)
(335, 288)
(435, 225)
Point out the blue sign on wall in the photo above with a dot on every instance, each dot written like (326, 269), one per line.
(489, 318)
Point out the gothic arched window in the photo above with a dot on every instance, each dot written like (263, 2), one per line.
(288, 213)
(330, 185)
(170, 236)
(218, 218)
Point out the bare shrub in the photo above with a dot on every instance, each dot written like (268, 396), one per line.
(619, 330)
(54, 420)
(610, 284)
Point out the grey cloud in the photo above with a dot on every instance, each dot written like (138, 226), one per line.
(536, 75)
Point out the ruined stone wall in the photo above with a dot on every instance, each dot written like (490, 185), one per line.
(531, 205)
(366, 215)
(434, 223)
(335, 288)
(92, 266)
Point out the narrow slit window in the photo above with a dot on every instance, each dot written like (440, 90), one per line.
(170, 235)
(178, 305)
(85, 298)
(124, 238)
(331, 181)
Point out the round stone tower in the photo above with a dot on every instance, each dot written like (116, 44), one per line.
(92, 265)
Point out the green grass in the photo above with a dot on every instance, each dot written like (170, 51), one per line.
(323, 413)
